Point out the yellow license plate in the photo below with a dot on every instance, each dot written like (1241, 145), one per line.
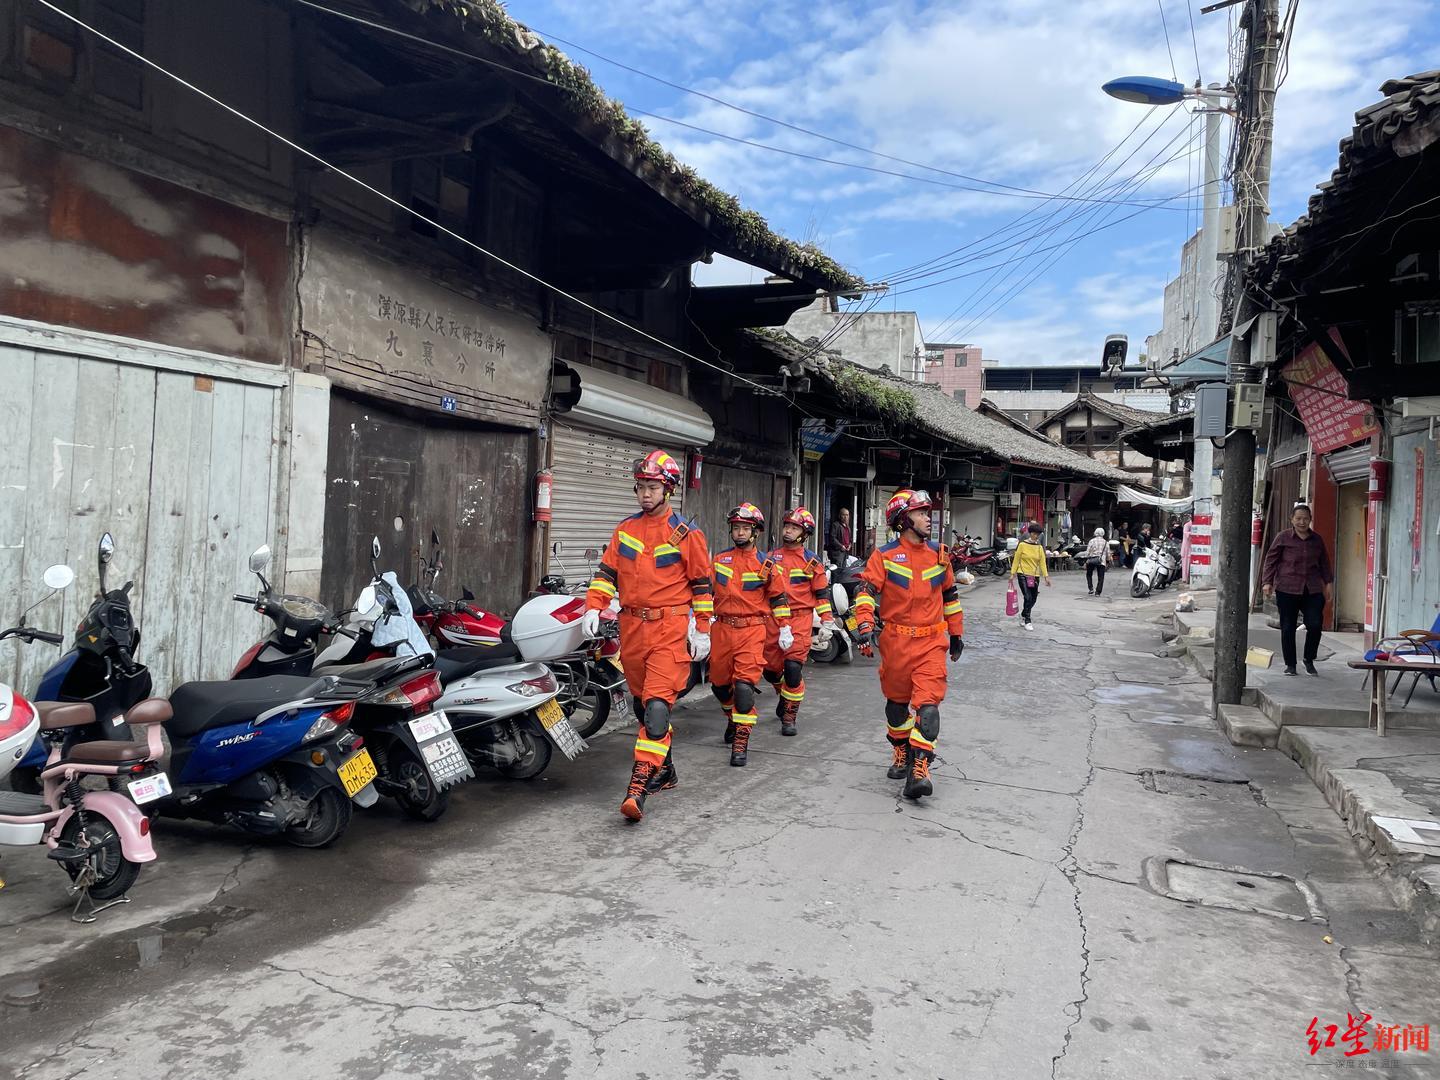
(357, 772)
(850, 622)
(550, 713)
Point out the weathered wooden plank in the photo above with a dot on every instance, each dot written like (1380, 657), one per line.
(167, 530)
(17, 414)
(130, 450)
(258, 479)
(52, 439)
(190, 581)
(223, 565)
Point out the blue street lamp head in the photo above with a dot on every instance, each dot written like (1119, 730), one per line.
(1144, 90)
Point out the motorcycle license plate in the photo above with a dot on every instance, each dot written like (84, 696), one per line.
(357, 771)
(445, 761)
(149, 788)
(431, 726)
(850, 623)
(550, 713)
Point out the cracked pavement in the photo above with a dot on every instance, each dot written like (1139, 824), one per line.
(789, 919)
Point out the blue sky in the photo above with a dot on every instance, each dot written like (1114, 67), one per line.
(1005, 92)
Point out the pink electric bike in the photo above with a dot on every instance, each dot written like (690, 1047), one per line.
(101, 838)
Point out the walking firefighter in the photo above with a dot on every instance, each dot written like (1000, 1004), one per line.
(807, 588)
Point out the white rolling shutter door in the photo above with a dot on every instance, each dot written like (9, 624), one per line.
(594, 489)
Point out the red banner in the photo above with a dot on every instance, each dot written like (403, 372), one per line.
(1319, 391)
(1200, 526)
(1417, 530)
(1370, 567)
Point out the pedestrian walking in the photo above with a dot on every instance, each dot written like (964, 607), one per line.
(909, 584)
(658, 566)
(807, 590)
(1027, 568)
(749, 595)
(1297, 572)
(1097, 558)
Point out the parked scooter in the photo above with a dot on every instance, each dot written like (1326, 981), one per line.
(416, 758)
(1145, 575)
(100, 670)
(501, 698)
(592, 687)
(836, 646)
(99, 838)
(968, 555)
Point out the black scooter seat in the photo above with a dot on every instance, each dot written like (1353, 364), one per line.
(453, 664)
(375, 671)
(200, 706)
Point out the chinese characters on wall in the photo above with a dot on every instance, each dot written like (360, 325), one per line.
(425, 336)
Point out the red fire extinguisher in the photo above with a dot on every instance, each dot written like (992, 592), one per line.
(697, 463)
(1257, 530)
(544, 486)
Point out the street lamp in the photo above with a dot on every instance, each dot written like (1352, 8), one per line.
(1214, 101)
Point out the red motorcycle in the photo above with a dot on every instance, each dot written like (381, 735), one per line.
(967, 554)
(591, 686)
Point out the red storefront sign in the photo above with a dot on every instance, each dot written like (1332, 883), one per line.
(1370, 516)
(1319, 391)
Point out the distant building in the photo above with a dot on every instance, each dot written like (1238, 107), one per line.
(958, 370)
(1033, 393)
(873, 339)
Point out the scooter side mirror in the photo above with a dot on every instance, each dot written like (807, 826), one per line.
(375, 547)
(260, 559)
(107, 548)
(59, 577)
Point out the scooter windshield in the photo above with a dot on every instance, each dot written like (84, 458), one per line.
(398, 627)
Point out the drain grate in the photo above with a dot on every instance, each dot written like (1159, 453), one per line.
(1262, 892)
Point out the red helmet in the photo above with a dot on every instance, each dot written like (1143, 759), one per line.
(747, 514)
(902, 502)
(802, 517)
(658, 465)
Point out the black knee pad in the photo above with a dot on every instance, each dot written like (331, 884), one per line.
(724, 692)
(657, 718)
(929, 721)
(744, 697)
(794, 673)
(772, 677)
(896, 712)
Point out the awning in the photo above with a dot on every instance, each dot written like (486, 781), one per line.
(1206, 364)
(1136, 497)
(610, 402)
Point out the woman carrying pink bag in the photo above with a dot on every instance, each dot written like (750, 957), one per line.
(1028, 568)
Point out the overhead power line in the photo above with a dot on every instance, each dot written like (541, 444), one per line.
(994, 187)
(1170, 52)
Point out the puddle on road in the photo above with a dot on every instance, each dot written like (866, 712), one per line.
(181, 935)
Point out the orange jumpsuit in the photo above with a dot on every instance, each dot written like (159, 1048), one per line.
(919, 607)
(659, 567)
(807, 586)
(750, 595)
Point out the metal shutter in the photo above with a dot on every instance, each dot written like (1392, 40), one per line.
(594, 489)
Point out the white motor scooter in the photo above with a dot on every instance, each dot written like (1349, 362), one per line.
(1145, 575)
(500, 700)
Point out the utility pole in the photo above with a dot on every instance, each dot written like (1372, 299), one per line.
(1255, 121)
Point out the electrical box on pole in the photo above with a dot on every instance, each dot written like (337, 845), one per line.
(1210, 411)
(1247, 406)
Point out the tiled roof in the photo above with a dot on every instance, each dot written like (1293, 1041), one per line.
(1402, 125)
(940, 415)
(1123, 414)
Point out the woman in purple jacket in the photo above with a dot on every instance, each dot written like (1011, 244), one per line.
(1297, 572)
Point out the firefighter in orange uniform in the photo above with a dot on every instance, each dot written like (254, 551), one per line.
(749, 594)
(658, 566)
(808, 589)
(911, 583)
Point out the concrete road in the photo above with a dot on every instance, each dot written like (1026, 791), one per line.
(1101, 887)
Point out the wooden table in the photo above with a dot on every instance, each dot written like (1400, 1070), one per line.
(1379, 677)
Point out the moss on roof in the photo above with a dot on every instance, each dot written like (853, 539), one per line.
(747, 230)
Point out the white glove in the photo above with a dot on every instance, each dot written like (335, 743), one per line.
(590, 624)
(699, 644)
(787, 638)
